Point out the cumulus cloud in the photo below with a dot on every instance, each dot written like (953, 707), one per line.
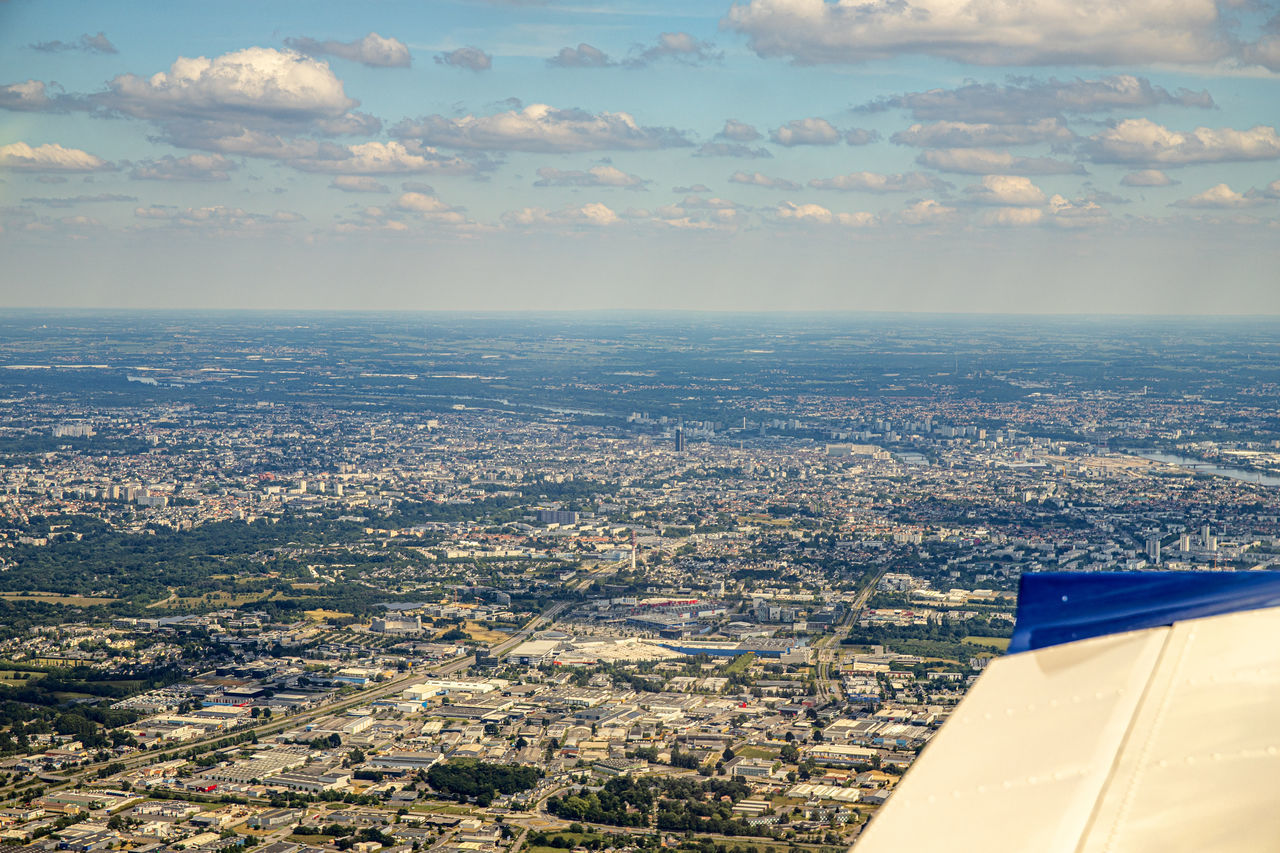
(249, 85)
(85, 44)
(358, 184)
(195, 167)
(1142, 141)
(816, 214)
(963, 134)
(680, 47)
(430, 208)
(1272, 190)
(1147, 178)
(696, 188)
(1006, 190)
(983, 32)
(927, 212)
(50, 157)
(860, 136)
(593, 214)
(981, 161)
(1221, 197)
(470, 58)
(805, 131)
(738, 131)
(372, 50)
(35, 96)
(383, 158)
(1027, 100)
(582, 56)
(757, 179)
(596, 176)
(542, 129)
(872, 182)
(731, 149)
(1081, 213)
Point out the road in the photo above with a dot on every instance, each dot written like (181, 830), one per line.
(829, 688)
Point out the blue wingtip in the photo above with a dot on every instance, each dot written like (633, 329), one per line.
(1062, 607)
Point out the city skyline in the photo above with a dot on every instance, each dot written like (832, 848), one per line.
(762, 155)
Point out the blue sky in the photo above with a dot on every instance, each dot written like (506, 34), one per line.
(938, 155)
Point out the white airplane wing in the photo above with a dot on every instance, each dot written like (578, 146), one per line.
(1090, 737)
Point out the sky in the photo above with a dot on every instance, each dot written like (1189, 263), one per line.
(1041, 156)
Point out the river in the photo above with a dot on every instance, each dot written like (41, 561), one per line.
(1202, 467)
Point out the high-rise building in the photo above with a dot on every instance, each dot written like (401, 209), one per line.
(1153, 550)
(680, 444)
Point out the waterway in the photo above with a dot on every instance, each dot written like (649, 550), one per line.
(1202, 467)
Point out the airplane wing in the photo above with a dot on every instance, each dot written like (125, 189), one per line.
(1135, 712)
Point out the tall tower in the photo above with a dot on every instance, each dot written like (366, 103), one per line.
(680, 444)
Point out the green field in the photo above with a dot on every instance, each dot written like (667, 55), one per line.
(998, 643)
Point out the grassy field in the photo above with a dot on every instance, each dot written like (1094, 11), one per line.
(1000, 644)
(481, 634)
(56, 598)
(755, 752)
(325, 615)
(7, 677)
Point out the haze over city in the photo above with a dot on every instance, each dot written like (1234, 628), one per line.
(765, 154)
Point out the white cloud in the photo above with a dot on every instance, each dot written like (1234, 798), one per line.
(927, 212)
(430, 208)
(1142, 141)
(582, 56)
(860, 136)
(252, 84)
(1027, 100)
(738, 131)
(1006, 190)
(981, 161)
(961, 134)
(680, 47)
(805, 131)
(358, 184)
(983, 32)
(372, 50)
(873, 182)
(543, 129)
(1221, 197)
(1147, 178)
(470, 58)
(816, 214)
(1272, 190)
(381, 158)
(1081, 213)
(49, 157)
(596, 176)
(29, 96)
(593, 214)
(195, 167)
(757, 179)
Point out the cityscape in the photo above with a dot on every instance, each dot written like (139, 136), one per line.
(494, 584)
(697, 426)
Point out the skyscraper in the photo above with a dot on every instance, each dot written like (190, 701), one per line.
(680, 439)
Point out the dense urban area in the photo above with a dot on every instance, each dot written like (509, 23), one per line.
(307, 583)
